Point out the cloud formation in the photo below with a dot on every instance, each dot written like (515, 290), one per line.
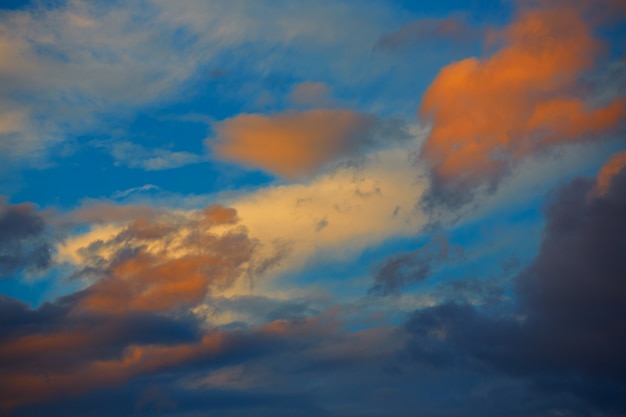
(311, 94)
(73, 67)
(408, 268)
(24, 241)
(450, 28)
(613, 167)
(565, 334)
(137, 156)
(132, 318)
(162, 262)
(489, 113)
(295, 144)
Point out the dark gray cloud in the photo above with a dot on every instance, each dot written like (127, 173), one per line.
(24, 243)
(567, 332)
(408, 268)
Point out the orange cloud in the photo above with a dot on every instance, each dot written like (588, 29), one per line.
(24, 387)
(161, 263)
(487, 113)
(614, 166)
(46, 366)
(292, 144)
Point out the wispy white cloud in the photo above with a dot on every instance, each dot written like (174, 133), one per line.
(126, 193)
(149, 159)
(66, 69)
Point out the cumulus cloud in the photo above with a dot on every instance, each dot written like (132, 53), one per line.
(24, 241)
(609, 170)
(132, 315)
(294, 144)
(489, 113)
(566, 332)
(162, 262)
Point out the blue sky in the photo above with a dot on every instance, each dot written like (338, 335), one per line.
(336, 208)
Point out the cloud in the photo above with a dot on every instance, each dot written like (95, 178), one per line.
(71, 68)
(58, 353)
(86, 352)
(610, 170)
(408, 268)
(24, 240)
(126, 193)
(162, 262)
(565, 334)
(132, 315)
(294, 144)
(137, 156)
(423, 30)
(358, 206)
(489, 113)
(311, 94)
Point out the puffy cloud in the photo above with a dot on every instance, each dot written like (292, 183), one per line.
(294, 144)
(162, 262)
(24, 240)
(609, 170)
(488, 113)
(566, 333)
(133, 320)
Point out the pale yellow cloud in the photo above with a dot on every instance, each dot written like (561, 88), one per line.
(340, 213)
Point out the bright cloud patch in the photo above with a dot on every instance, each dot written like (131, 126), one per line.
(294, 144)
(487, 113)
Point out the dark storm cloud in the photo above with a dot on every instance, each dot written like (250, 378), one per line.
(23, 239)
(567, 333)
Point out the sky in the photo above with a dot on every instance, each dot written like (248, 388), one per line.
(342, 208)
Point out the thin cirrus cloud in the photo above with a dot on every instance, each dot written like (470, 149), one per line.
(455, 29)
(296, 144)
(89, 63)
(311, 94)
(491, 112)
(150, 159)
